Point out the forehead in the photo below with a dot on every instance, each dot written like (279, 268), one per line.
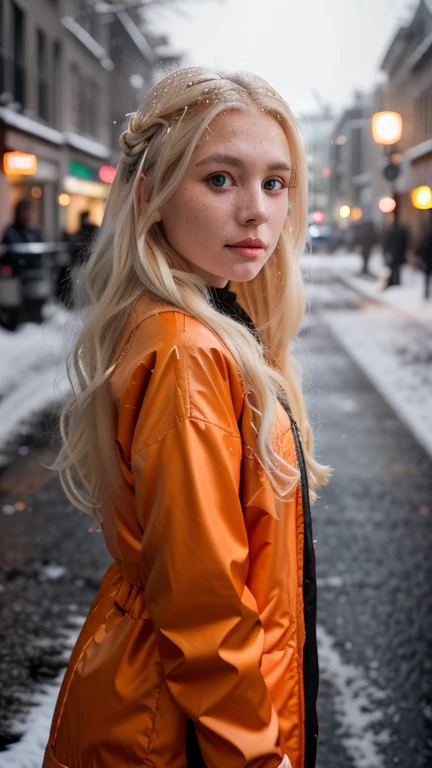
(244, 133)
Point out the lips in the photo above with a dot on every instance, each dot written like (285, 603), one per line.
(249, 242)
(250, 247)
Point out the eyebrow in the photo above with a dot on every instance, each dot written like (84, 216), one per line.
(278, 165)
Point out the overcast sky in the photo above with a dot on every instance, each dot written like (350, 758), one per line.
(330, 46)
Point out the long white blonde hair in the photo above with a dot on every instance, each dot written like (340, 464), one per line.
(132, 259)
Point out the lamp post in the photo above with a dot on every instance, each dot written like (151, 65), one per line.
(387, 130)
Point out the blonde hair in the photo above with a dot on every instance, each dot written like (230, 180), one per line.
(132, 259)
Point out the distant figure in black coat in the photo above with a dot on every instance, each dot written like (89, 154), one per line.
(424, 252)
(80, 248)
(24, 228)
(365, 236)
(395, 246)
(83, 237)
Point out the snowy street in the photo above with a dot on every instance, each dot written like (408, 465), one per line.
(367, 355)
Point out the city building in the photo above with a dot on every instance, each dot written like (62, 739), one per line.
(408, 66)
(351, 160)
(54, 107)
(70, 70)
(317, 131)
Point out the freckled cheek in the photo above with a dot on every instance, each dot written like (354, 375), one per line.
(282, 211)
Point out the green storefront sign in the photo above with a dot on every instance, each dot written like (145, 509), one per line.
(82, 171)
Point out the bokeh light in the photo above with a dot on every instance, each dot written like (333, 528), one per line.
(387, 204)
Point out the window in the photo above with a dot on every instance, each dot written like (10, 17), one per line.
(42, 78)
(75, 97)
(56, 86)
(92, 108)
(357, 154)
(18, 54)
(84, 103)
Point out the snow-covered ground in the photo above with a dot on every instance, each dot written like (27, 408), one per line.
(390, 338)
(35, 725)
(33, 377)
(407, 298)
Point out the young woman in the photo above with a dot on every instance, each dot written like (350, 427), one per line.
(187, 439)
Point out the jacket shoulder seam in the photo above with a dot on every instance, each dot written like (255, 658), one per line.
(179, 420)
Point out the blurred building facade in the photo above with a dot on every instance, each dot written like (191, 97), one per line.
(408, 66)
(54, 95)
(316, 130)
(68, 76)
(351, 159)
(356, 163)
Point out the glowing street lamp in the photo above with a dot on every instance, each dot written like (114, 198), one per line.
(386, 128)
(421, 198)
(344, 211)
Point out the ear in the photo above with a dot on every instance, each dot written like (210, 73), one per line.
(142, 194)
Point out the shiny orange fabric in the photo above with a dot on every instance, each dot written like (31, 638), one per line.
(201, 613)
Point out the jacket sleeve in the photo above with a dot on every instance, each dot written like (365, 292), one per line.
(195, 553)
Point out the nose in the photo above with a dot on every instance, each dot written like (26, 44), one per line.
(252, 207)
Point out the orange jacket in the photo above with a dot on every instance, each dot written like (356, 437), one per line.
(200, 616)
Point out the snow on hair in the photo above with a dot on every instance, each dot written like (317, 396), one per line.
(131, 258)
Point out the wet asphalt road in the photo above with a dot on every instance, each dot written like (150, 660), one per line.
(373, 524)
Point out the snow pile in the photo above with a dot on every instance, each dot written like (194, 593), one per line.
(406, 298)
(36, 722)
(396, 355)
(360, 705)
(33, 375)
(388, 338)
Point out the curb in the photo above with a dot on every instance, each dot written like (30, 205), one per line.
(353, 283)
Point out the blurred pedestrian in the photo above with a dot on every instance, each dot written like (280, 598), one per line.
(365, 236)
(187, 440)
(424, 253)
(24, 228)
(83, 237)
(80, 244)
(27, 268)
(395, 246)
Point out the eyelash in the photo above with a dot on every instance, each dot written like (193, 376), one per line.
(227, 175)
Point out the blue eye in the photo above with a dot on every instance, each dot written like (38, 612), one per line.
(218, 180)
(272, 183)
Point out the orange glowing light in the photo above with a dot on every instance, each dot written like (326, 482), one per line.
(19, 164)
(386, 127)
(356, 214)
(63, 199)
(421, 198)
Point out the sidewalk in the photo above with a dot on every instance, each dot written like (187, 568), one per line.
(407, 298)
(389, 337)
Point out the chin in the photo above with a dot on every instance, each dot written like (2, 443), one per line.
(245, 273)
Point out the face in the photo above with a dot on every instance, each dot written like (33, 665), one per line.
(227, 214)
(26, 217)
